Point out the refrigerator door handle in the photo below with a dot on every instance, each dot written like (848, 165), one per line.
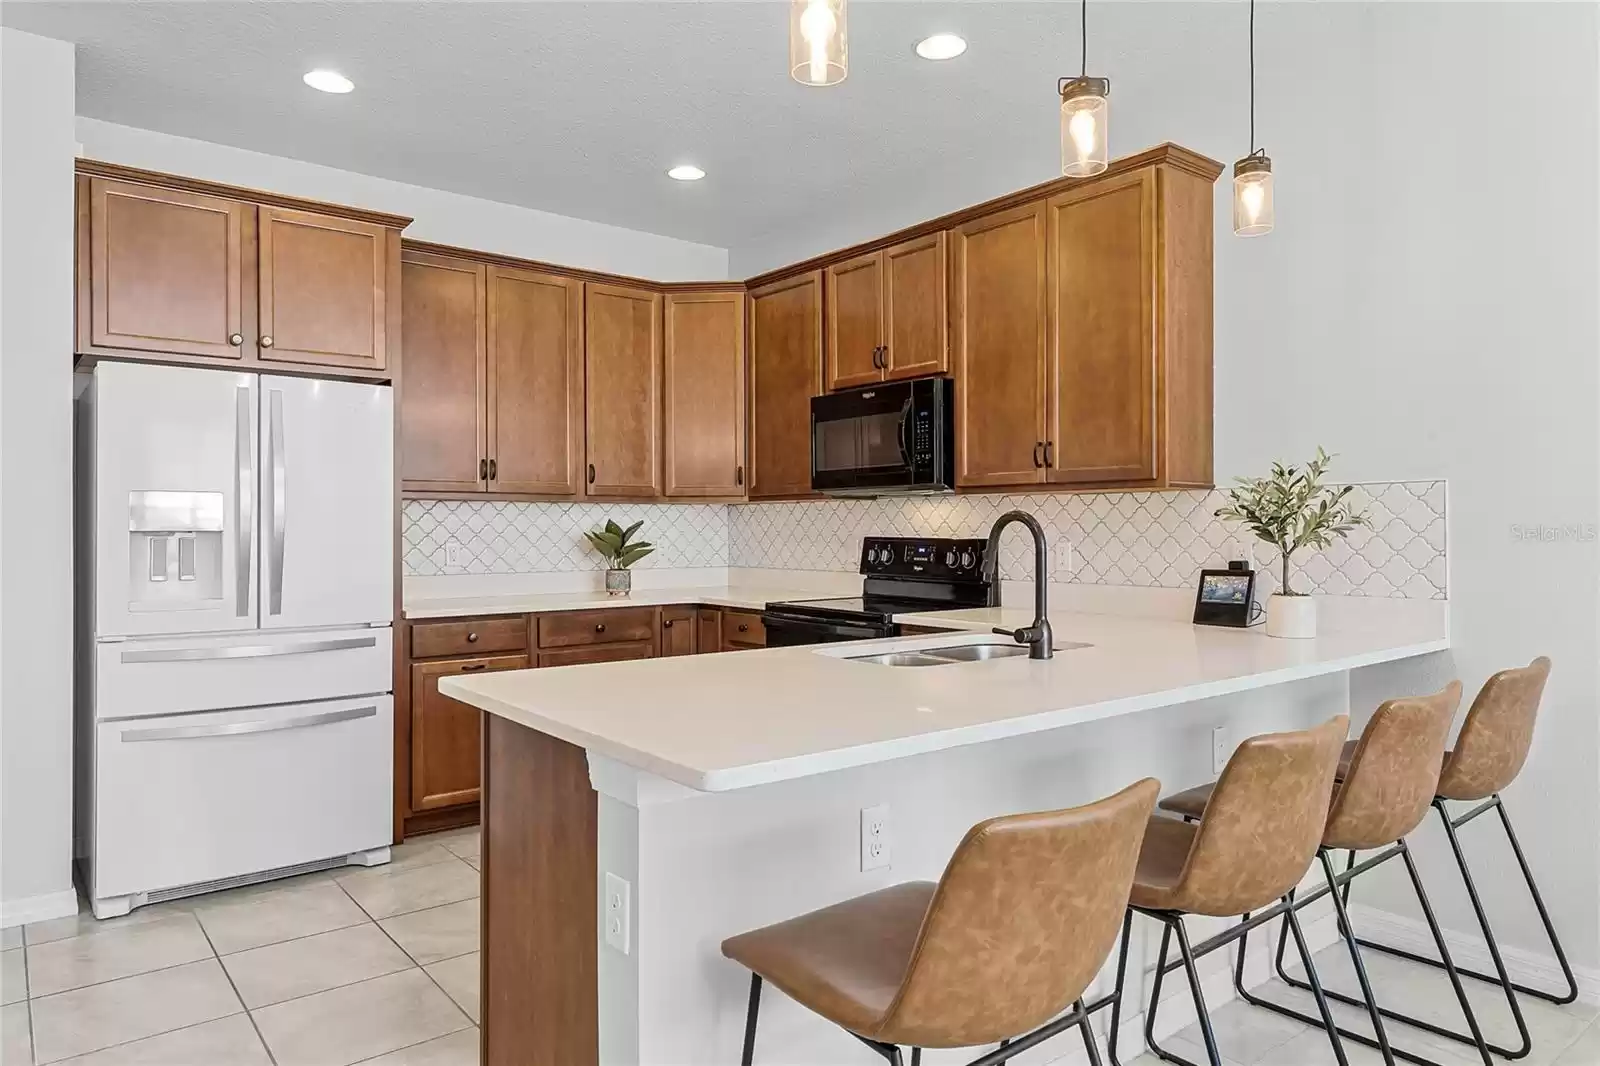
(246, 651)
(229, 729)
(245, 519)
(275, 445)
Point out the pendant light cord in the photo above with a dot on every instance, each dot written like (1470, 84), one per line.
(1083, 33)
(1252, 77)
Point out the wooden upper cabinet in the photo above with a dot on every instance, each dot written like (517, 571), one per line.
(855, 321)
(444, 392)
(915, 324)
(704, 390)
(1102, 269)
(785, 372)
(535, 359)
(998, 346)
(167, 271)
(323, 289)
(623, 391)
(886, 314)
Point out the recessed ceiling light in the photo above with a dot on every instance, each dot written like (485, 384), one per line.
(329, 81)
(686, 172)
(941, 46)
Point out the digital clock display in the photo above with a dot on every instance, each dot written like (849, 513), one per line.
(919, 553)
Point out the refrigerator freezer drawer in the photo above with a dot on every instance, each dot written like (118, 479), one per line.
(200, 797)
(172, 675)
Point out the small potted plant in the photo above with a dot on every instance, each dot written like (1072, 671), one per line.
(620, 551)
(1292, 509)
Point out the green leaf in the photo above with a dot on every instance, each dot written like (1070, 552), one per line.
(631, 555)
(631, 530)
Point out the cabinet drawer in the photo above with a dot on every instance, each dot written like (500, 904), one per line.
(611, 625)
(604, 653)
(743, 629)
(480, 636)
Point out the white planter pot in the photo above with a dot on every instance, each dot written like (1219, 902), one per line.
(1291, 616)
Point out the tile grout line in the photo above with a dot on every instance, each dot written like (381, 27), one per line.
(248, 1016)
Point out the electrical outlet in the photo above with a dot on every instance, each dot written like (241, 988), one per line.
(618, 922)
(875, 837)
(453, 555)
(1219, 749)
(1063, 557)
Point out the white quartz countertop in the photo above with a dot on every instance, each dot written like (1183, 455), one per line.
(738, 719)
(748, 597)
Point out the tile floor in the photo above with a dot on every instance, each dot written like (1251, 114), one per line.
(380, 966)
(353, 965)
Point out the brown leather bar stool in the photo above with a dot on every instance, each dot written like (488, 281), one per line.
(1261, 831)
(1383, 794)
(1488, 755)
(1022, 920)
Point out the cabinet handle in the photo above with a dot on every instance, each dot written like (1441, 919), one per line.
(1038, 446)
(738, 474)
(483, 470)
(473, 666)
(266, 342)
(591, 473)
(493, 470)
(599, 627)
(472, 638)
(666, 623)
(744, 627)
(235, 339)
(1049, 452)
(883, 358)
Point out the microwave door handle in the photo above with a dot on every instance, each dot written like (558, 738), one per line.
(905, 430)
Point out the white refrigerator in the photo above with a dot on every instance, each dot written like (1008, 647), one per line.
(236, 599)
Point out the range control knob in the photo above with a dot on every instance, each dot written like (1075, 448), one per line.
(873, 556)
(968, 560)
(950, 557)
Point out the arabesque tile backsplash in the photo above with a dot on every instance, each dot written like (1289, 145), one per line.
(1158, 539)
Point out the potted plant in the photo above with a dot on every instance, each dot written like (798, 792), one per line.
(1292, 509)
(620, 551)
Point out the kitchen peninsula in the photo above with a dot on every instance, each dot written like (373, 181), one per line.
(636, 813)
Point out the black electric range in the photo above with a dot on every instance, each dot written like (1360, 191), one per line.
(903, 575)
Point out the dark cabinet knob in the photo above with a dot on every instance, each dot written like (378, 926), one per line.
(666, 623)
(235, 339)
(266, 342)
(744, 627)
(472, 638)
(599, 627)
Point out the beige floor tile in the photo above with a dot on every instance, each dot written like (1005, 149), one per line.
(463, 843)
(384, 893)
(230, 1041)
(457, 1049)
(139, 948)
(476, 862)
(10, 937)
(1244, 1033)
(13, 976)
(88, 1019)
(86, 924)
(419, 851)
(345, 1025)
(437, 933)
(294, 968)
(16, 1044)
(1585, 1051)
(459, 978)
(1312, 1048)
(237, 923)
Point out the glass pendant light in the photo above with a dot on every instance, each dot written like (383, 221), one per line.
(1084, 142)
(1252, 175)
(817, 42)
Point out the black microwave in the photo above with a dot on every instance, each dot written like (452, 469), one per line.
(895, 438)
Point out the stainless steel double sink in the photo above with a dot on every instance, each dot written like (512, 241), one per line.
(956, 653)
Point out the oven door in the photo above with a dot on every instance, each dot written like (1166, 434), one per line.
(787, 630)
(860, 439)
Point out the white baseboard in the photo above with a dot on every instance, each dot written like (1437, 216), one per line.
(1529, 968)
(38, 908)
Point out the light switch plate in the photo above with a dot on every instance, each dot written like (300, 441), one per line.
(618, 910)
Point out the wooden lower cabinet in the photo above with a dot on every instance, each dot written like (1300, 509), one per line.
(742, 629)
(678, 631)
(599, 653)
(446, 735)
(708, 629)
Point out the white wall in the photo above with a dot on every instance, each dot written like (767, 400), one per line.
(36, 145)
(444, 217)
(1425, 308)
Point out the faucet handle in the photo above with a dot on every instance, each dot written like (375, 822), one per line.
(1021, 636)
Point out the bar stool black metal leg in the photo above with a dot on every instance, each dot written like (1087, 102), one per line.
(1355, 955)
(1090, 1047)
(1122, 975)
(750, 1021)
(1187, 952)
(1544, 915)
(1004, 1043)
(1444, 956)
(1316, 986)
(1155, 1000)
(916, 1056)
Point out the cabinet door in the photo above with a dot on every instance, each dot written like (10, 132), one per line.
(535, 343)
(678, 626)
(785, 372)
(623, 391)
(742, 629)
(167, 270)
(1102, 270)
(598, 653)
(998, 340)
(855, 324)
(445, 734)
(322, 289)
(443, 393)
(708, 630)
(915, 326)
(704, 388)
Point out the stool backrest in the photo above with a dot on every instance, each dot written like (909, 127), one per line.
(1264, 821)
(1394, 772)
(1495, 738)
(1025, 915)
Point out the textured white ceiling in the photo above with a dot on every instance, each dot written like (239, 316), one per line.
(579, 107)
